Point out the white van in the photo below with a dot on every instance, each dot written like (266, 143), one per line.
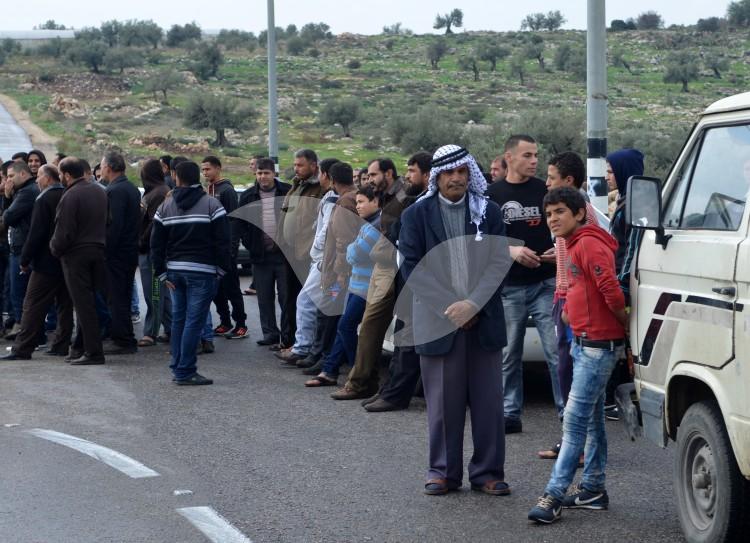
(690, 321)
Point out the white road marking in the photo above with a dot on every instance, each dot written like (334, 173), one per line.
(213, 525)
(120, 462)
(11, 425)
(182, 492)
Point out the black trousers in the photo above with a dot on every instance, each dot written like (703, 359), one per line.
(229, 292)
(269, 277)
(85, 273)
(44, 289)
(120, 274)
(403, 374)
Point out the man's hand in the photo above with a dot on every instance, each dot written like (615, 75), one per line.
(525, 257)
(471, 324)
(549, 256)
(564, 318)
(170, 285)
(461, 313)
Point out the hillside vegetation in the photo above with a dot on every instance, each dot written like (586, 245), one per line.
(391, 94)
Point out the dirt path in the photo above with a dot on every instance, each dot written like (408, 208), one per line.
(39, 138)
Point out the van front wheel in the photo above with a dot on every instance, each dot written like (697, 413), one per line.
(712, 495)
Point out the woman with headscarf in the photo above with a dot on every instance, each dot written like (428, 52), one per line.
(158, 305)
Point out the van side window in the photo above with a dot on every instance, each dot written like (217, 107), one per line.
(673, 212)
(720, 180)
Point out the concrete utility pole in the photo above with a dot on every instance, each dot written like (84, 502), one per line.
(596, 103)
(273, 121)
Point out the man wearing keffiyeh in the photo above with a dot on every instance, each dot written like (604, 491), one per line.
(461, 364)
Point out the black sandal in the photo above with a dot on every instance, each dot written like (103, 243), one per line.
(550, 454)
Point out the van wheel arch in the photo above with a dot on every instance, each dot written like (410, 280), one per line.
(682, 393)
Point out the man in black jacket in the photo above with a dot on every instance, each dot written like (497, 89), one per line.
(46, 282)
(229, 285)
(78, 241)
(121, 251)
(18, 218)
(269, 267)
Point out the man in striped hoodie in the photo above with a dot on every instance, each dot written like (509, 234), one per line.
(190, 249)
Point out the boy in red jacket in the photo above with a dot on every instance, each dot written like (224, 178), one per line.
(595, 311)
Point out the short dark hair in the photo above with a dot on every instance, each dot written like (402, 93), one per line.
(572, 198)
(97, 167)
(86, 165)
(60, 156)
(371, 193)
(513, 141)
(307, 154)
(501, 158)
(19, 167)
(22, 155)
(175, 161)
(264, 163)
(342, 173)
(211, 159)
(326, 163)
(4, 167)
(37, 152)
(115, 161)
(166, 160)
(385, 164)
(72, 166)
(151, 171)
(422, 160)
(570, 164)
(51, 171)
(188, 172)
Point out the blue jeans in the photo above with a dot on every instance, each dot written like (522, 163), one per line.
(345, 345)
(208, 329)
(18, 282)
(584, 422)
(191, 300)
(518, 303)
(135, 306)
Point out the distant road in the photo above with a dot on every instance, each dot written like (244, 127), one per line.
(13, 138)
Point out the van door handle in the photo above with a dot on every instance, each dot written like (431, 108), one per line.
(725, 291)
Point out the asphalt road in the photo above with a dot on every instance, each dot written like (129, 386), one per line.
(277, 461)
(12, 136)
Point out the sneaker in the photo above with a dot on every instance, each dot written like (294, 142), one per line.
(580, 498)
(546, 511)
(196, 380)
(612, 413)
(136, 318)
(238, 332)
(222, 329)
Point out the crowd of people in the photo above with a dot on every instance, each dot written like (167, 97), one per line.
(455, 259)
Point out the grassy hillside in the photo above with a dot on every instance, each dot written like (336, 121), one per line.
(393, 82)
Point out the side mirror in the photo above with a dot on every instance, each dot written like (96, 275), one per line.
(643, 206)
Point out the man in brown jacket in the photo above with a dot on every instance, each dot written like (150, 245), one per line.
(78, 241)
(363, 379)
(295, 233)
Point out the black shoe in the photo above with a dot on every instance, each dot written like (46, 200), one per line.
(381, 406)
(546, 511)
(116, 349)
(291, 359)
(55, 352)
(580, 498)
(195, 380)
(206, 347)
(612, 413)
(88, 360)
(15, 356)
(267, 342)
(369, 400)
(314, 370)
(308, 362)
(513, 426)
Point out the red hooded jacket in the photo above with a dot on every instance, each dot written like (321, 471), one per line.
(593, 292)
